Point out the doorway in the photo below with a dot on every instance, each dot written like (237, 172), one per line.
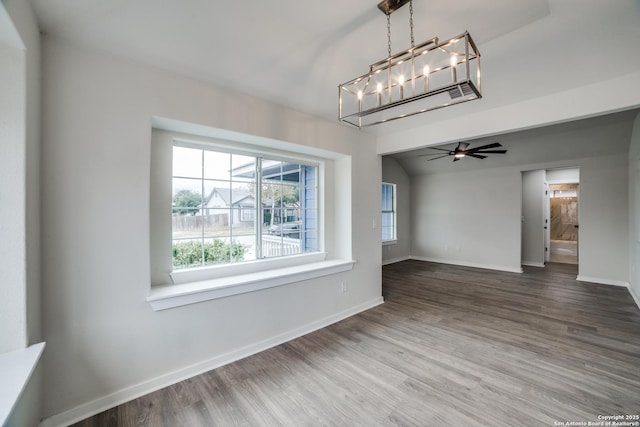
(563, 223)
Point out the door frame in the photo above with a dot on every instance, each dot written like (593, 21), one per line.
(547, 202)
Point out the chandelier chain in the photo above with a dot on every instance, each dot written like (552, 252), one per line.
(389, 33)
(413, 44)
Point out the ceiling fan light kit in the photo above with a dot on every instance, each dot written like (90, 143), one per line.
(427, 76)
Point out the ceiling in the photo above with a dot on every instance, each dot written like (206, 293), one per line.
(604, 135)
(289, 52)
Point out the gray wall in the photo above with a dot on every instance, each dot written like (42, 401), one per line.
(634, 211)
(474, 217)
(20, 322)
(530, 92)
(604, 222)
(533, 218)
(103, 338)
(13, 311)
(563, 175)
(392, 172)
(468, 218)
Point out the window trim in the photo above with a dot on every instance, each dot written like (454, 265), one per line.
(219, 271)
(183, 287)
(169, 296)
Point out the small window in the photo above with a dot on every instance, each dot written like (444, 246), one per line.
(229, 208)
(388, 212)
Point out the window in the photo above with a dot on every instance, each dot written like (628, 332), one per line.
(247, 214)
(388, 212)
(232, 213)
(229, 208)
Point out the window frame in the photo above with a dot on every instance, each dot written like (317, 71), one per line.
(393, 211)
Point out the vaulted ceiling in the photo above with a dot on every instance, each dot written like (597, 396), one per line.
(291, 52)
(296, 53)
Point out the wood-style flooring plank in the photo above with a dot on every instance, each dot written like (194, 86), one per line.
(451, 346)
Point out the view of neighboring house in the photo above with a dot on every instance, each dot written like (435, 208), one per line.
(241, 203)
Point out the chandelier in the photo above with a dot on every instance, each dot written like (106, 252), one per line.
(427, 76)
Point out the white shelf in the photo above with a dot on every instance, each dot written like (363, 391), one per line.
(16, 368)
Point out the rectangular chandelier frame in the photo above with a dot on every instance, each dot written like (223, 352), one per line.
(422, 78)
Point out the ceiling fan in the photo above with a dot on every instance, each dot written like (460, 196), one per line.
(461, 151)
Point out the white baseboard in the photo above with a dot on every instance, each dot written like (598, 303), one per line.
(533, 264)
(601, 281)
(469, 264)
(634, 295)
(119, 397)
(394, 260)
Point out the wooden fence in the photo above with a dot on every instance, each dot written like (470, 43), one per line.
(194, 223)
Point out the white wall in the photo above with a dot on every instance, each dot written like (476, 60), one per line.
(102, 335)
(392, 172)
(533, 218)
(634, 211)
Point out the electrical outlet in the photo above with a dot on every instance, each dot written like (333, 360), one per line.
(343, 286)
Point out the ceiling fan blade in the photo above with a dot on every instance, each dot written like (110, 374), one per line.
(483, 147)
(432, 154)
(437, 148)
(477, 156)
(461, 146)
(488, 151)
(435, 158)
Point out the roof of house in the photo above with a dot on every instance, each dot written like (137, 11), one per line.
(229, 196)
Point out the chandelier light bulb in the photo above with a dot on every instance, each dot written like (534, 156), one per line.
(426, 72)
(454, 61)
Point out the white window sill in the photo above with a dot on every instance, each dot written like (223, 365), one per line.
(16, 369)
(170, 296)
(389, 242)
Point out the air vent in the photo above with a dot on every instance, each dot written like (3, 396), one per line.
(463, 89)
(455, 92)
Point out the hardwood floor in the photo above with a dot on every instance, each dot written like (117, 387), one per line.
(451, 346)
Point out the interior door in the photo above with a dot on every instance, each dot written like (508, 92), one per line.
(577, 222)
(547, 223)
